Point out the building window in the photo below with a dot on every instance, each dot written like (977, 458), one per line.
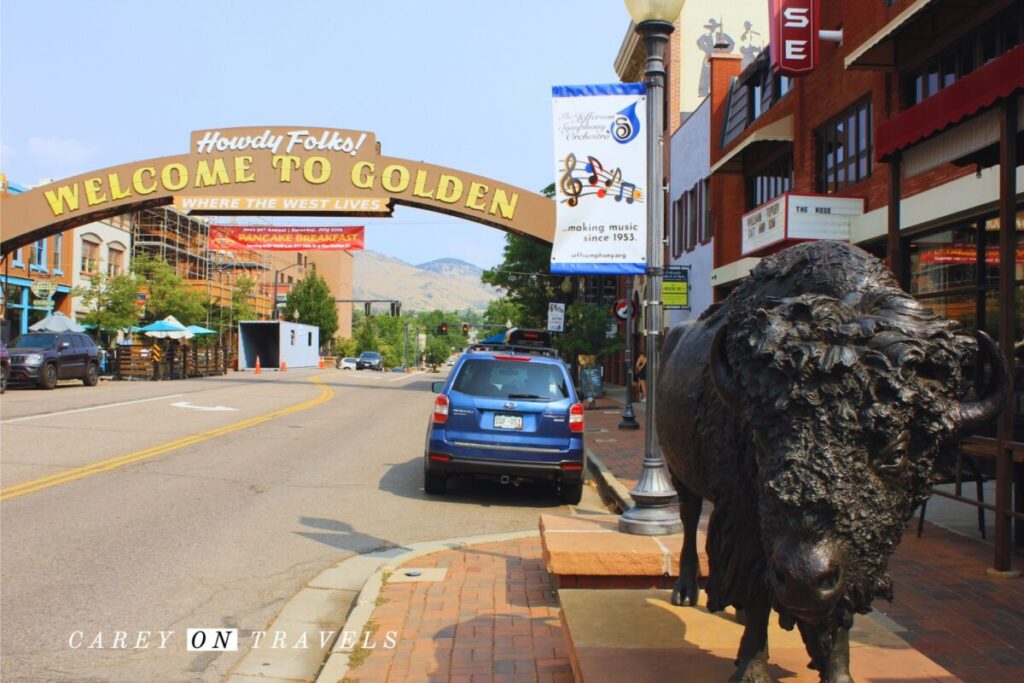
(705, 203)
(58, 252)
(677, 227)
(771, 180)
(844, 149)
(39, 255)
(90, 257)
(994, 38)
(115, 262)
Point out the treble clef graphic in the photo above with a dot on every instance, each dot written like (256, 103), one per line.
(572, 187)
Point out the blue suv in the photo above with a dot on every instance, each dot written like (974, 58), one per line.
(509, 414)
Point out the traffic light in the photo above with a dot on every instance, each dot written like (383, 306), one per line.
(442, 328)
(367, 309)
(465, 328)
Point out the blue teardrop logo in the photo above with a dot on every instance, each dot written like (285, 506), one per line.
(625, 125)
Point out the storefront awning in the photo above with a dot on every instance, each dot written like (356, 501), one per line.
(970, 95)
(877, 51)
(775, 132)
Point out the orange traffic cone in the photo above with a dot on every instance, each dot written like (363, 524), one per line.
(284, 365)
(322, 365)
(257, 370)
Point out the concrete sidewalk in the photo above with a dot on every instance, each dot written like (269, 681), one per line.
(486, 612)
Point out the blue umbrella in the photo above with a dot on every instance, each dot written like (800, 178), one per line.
(199, 329)
(161, 326)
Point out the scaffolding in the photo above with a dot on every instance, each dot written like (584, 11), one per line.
(182, 241)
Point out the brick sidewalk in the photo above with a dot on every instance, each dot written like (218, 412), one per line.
(493, 619)
(951, 610)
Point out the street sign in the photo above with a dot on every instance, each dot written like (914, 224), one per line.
(621, 309)
(556, 317)
(675, 288)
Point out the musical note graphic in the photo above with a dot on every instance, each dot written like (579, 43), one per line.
(572, 187)
(598, 174)
(630, 196)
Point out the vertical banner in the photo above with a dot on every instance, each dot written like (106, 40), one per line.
(556, 317)
(600, 179)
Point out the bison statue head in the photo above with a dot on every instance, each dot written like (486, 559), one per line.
(849, 403)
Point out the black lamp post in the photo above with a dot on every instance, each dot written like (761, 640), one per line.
(653, 515)
(628, 420)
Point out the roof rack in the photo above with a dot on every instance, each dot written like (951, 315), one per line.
(516, 348)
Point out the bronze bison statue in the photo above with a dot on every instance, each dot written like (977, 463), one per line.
(814, 408)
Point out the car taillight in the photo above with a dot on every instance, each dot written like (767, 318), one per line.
(441, 409)
(438, 457)
(571, 466)
(576, 417)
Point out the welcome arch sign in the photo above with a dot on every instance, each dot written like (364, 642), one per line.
(286, 170)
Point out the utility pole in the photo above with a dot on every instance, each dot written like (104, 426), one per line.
(405, 349)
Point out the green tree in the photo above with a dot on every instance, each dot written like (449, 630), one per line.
(500, 312)
(586, 327)
(437, 351)
(110, 302)
(312, 299)
(168, 293)
(241, 294)
(525, 275)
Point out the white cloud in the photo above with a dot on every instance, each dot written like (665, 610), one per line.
(60, 154)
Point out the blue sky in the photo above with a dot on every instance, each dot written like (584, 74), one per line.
(459, 83)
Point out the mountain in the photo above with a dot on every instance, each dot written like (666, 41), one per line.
(446, 284)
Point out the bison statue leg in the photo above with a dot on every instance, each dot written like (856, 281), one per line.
(829, 648)
(752, 659)
(690, 504)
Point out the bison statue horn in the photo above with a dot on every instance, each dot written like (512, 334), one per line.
(969, 415)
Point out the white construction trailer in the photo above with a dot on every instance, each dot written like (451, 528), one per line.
(273, 341)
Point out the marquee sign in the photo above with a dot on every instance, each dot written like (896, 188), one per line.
(796, 217)
(794, 36)
(274, 171)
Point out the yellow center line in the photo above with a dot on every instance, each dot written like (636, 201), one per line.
(113, 463)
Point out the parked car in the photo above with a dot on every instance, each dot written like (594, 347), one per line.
(45, 357)
(5, 367)
(346, 363)
(510, 415)
(371, 360)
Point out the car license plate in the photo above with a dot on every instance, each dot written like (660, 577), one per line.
(502, 421)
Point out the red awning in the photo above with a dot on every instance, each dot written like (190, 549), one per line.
(968, 96)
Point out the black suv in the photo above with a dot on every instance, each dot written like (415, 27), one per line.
(45, 357)
(371, 360)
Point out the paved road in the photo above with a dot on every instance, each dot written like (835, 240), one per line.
(122, 511)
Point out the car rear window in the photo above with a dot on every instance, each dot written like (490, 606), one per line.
(511, 379)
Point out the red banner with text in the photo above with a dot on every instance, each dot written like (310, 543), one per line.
(286, 238)
(793, 26)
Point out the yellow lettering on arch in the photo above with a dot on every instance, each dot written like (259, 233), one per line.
(94, 193)
(243, 170)
(66, 195)
(504, 204)
(166, 178)
(449, 189)
(116, 192)
(388, 178)
(137, 180)
(205, 176)
(362, 175)
(476, 193)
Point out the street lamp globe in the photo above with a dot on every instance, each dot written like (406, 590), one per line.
(654, 10)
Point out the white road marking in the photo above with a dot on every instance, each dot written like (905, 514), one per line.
(85, 410)
(186, 404)
(411, 374)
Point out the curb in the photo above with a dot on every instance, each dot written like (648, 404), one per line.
(608, 484)
(375, 564)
